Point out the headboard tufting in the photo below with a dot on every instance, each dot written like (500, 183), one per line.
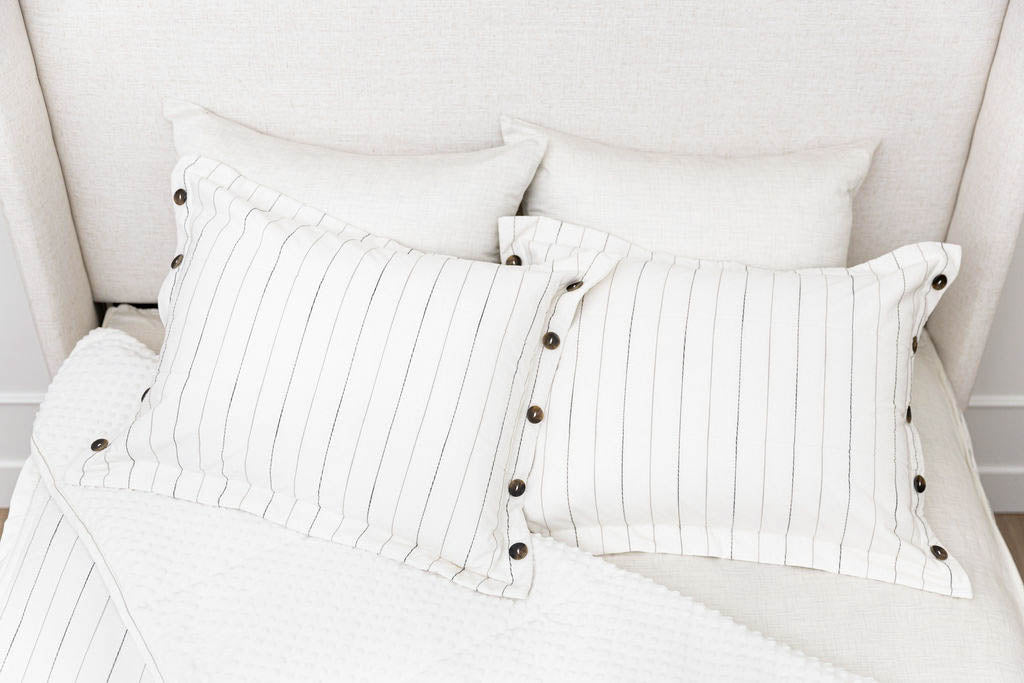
(924, 78)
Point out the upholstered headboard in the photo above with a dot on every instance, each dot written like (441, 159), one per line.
(86, 152)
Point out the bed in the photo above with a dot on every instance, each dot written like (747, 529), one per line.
(919, 634)
(84, 194)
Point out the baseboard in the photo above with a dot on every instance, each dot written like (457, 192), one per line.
(10, 468)
(1004, 486)
(996, 401)
(20, 398)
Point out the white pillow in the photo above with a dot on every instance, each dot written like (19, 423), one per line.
(712, 408)
(446, 203)
(784, 211)
(344, 386)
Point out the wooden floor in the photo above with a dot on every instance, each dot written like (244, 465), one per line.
(1012, 527)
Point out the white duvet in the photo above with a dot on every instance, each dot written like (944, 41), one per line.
(103, 584)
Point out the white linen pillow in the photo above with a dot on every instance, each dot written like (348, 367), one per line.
(344, 386)
(447, 203)
(776, 211)
(712, 408)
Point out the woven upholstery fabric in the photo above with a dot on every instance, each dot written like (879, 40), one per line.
(343, 385)
(713, 408)
(34, 202)
(737, 78)
(775, 211)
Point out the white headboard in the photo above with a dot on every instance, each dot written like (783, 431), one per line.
(435, 75)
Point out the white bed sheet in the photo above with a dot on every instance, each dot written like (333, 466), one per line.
(866, 627)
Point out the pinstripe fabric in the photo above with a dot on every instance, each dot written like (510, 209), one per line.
(56, 619)
(344, 386)
(712, 408)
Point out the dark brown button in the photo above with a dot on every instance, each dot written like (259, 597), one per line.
(517, 551)
(919, 484)
(513, 260)
(180, 196)
(937, 550)
(551, 340)
(939, 282)
(908, 414)
(516, 488)
(534, 414)
(144, 394)
(99, 444)
(914, 345)
(574, 286)
(176, 261)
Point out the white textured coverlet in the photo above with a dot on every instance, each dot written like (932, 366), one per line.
(201, 593)
(712, 408)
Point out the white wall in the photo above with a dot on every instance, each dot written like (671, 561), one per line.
(23, 374)
(996, 412)
(996, 415)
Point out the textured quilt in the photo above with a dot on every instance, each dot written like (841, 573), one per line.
(106, 584)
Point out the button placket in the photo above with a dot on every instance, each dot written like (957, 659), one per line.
(564, 310)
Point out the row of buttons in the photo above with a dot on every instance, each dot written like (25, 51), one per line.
(534, 414)
(919, 482)
(179, 198)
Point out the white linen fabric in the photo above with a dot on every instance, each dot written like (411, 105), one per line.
(713, 408)
(886, 631)
(273, 604)
(776, 211)
(143, 324)
(444, 203)
(57, 621)
(337, 383)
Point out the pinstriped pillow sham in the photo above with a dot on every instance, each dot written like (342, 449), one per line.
(344, 386)
(710, 408)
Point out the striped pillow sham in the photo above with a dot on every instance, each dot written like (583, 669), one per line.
(711, 408)
(343, 386)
